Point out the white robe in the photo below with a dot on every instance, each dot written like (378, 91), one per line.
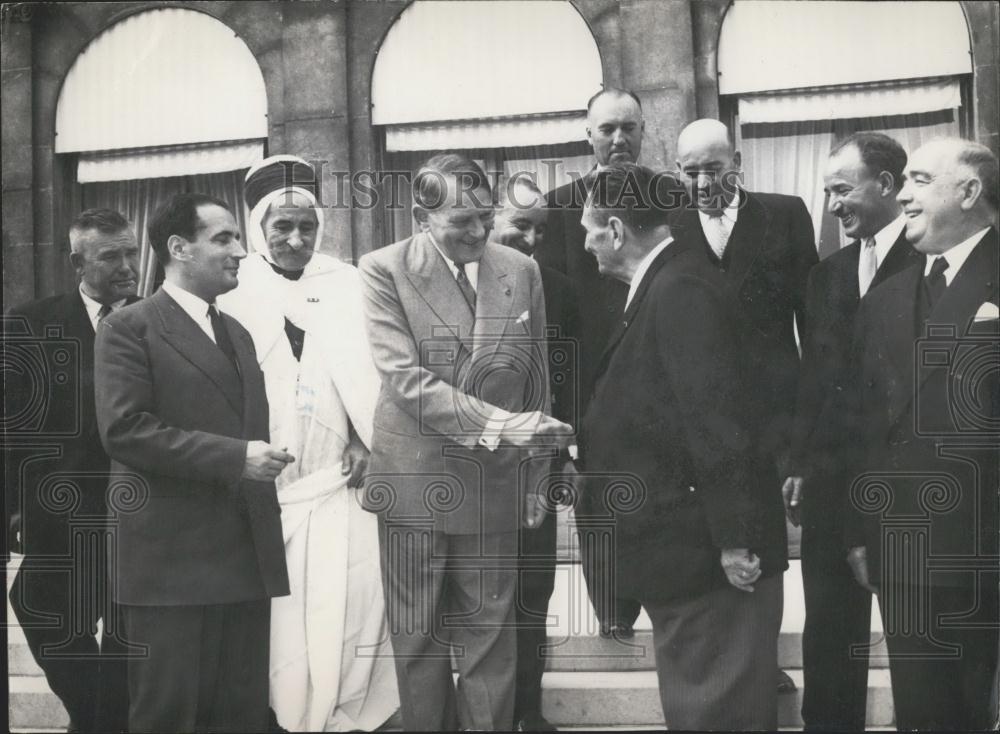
(331, 660)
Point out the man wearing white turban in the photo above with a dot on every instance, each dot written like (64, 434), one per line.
(331, 660)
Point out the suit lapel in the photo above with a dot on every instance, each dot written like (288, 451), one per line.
(193, 344)
(747, 238)
(899, 256)
(899, 327)
(671, 251)
(432, 279)
(494, 300)
(975, 283)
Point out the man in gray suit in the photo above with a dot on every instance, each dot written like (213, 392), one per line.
(460, 447)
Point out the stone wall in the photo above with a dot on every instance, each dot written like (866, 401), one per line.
(317, 61)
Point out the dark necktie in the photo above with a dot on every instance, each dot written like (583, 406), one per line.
(222, 335)
(296, 338)
(934, 284)
(105, 310)
(467, 290)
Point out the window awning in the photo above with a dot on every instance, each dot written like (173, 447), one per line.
(769, 45)
(188, 160)
(836, 103)
(503, 133)
(148, 81)
(447, 61)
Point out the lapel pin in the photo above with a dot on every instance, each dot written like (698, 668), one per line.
(312, 300)
(506, 291)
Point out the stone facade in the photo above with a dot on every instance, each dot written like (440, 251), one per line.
(317, 60)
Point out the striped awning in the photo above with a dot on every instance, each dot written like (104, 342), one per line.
(127, 165)
(162, 77)
(835, 103)
(493, 133)
(767, 45)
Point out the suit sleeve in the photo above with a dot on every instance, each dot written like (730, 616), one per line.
(696, 349)
(854, 431)
(431, 401)
(803, 242)
(540, 351)
(552, 252)
(135, 435)
(807, 403)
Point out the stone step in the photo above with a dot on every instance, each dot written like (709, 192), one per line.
(631, 698)
(565, 654)
(31, 705)
(624, 699)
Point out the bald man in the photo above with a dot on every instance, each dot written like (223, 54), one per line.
(923, 515)
(763, 245)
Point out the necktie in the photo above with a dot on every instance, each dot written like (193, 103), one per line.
(222, 335)
(717, 235)
(934, 284)
(105, 310)
(467, 290)
(867, 265)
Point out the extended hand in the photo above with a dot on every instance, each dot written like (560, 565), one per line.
(857, 559)
(523, 429)
(264, 462)
(741, 566)
(354, 461)
(791, 492)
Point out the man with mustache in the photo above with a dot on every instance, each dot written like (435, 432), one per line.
(87, 678)
(863, 176)
(183, 414)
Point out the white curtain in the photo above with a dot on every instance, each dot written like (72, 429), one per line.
(789, 159)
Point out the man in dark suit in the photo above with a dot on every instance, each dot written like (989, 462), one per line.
(763, 245)
(614, 130)
(183, 414)
(863, 176)
(923, 515)
(520, 222)
(88, 678)
(457, 330)
(693, 535)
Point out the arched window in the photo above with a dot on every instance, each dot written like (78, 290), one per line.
(505, 82)
(900, 68)
(164, 101)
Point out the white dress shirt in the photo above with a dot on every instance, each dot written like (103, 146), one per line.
(640, 272)
(193, 306)
(719, 229)
(94, 307)
(471, 269)
(956, 256)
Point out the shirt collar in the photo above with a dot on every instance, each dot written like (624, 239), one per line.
(956, 256)
(640, 272)
(730, 212)
(194, 306)
(471, 269)
(886, 237)
(94, 307)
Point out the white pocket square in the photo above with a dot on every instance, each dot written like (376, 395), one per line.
(987, 312)
(523, 318)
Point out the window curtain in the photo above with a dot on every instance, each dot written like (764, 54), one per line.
(137, 200)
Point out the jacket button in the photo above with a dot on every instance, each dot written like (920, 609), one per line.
(690, 489)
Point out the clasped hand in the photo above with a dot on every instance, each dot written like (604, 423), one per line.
(264, 462)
